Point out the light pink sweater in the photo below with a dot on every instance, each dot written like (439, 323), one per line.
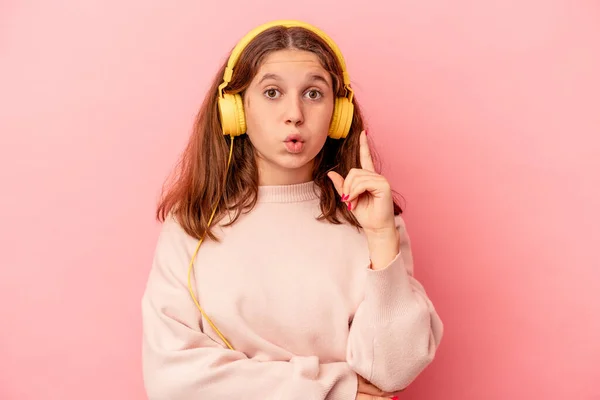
(296, 299)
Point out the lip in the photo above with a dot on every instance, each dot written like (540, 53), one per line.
(294, 138)
(294, 143)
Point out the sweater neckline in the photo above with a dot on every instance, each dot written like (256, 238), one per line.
(288, 193)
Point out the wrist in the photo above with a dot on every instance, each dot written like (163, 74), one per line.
(384, 246)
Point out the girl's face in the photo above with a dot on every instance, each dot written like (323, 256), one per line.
(288, 108)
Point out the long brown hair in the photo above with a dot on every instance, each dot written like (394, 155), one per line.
(199, 182)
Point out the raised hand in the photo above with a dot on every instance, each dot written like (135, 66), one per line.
(367, 193)
(369, 197)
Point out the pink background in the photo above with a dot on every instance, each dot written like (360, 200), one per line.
(488, 117)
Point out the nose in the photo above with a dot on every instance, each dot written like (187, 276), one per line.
(294, 112)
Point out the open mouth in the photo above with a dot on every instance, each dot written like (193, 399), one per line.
(294, 139)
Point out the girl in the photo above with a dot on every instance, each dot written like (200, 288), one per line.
(283, 269)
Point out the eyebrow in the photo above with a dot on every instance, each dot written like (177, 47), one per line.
(312, 77)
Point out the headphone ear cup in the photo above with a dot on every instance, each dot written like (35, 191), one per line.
(231, 113)
(341, 119)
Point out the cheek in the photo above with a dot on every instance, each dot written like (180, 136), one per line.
(257, 112)
(250, 113)
(255, 124)
(324, 116)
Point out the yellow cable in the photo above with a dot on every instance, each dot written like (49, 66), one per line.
(191, 266)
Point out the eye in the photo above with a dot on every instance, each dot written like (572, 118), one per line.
(314, 94)
(271, 93)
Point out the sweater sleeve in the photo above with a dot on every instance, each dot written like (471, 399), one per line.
(181, 362)
(396, 330)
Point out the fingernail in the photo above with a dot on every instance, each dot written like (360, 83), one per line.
(395, 398)
(344, 197)
(349, 206)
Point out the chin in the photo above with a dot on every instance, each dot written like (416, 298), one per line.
(297, 162)
(292, 161)
(287, 162)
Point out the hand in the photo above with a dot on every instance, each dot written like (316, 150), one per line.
(361, 396)
(369, 197)
(368, 194)
(367, 388)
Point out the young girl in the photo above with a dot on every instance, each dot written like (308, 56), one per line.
(283, 269)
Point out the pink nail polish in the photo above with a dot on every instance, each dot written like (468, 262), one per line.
(344, 197)
(395, 398)
(349, 206)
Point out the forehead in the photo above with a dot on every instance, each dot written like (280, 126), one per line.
(291, 61)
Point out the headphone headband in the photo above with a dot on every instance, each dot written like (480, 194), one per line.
(241, 45)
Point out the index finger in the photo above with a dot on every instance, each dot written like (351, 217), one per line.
(366, 161)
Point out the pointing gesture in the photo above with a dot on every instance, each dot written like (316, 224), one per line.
(366, 161)
(367, 194)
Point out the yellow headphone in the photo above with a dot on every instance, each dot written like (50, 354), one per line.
(233, 121)
(231, 109)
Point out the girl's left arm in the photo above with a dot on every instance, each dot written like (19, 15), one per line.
(396, 330)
